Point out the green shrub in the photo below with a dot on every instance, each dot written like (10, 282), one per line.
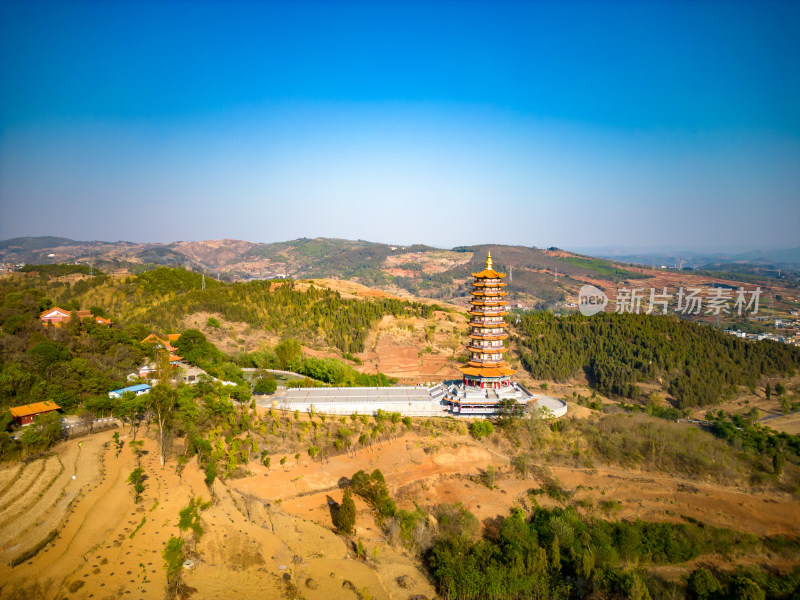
(173, 557)
(481, 429)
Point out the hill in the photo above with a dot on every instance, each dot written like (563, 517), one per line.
(542, 277)
(228, 493)
(538, 278)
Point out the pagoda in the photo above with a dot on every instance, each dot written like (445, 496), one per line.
(487, 367)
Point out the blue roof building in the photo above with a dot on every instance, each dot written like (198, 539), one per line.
(140, 389)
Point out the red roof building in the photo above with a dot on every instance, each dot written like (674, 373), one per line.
(166, 345)
(24, 415)
(57, 316)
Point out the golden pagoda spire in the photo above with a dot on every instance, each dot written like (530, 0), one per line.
(489, 261)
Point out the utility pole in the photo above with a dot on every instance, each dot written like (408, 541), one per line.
(203, 286)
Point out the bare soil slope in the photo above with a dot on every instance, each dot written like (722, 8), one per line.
(270, 533)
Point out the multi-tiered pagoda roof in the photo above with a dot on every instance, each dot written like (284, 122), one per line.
(487, 367)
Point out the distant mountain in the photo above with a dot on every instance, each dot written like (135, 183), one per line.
(786, 259)
(789, 257)
(25, 244)
(536, 277)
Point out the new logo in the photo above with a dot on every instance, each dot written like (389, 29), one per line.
(591, 300)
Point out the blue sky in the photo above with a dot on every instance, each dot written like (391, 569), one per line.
(540, 123)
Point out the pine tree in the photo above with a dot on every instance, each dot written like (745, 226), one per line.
(345, 518)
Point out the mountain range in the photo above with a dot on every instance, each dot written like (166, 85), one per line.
(537, 277)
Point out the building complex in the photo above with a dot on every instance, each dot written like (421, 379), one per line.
(484, 389)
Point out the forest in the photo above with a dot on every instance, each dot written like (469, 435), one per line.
(698, 365)
(557, 553)
(160, 298)
(75, 365)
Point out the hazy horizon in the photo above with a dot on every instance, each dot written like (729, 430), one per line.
(585, 125)
(590, 250)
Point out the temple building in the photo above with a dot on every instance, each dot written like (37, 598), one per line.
(484, 389)
(487, 367)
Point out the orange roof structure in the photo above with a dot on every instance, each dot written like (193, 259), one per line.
(50, 311)
(34, 409)
(486, 364)
(154, 339)
(489, 272)
(492, 371)
(57, 315)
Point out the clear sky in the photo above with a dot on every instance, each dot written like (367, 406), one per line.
(446, 123)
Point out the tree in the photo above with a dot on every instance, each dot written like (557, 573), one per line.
(372, 488)
(265, 385)
(702, 584)
(98, 311)
(745, 588)
(289, 353)
(189, 518)
(173, 560)
(211, 473)
(555, 555)
(136, 479)
(131, 410)
(162, 399)
(86, 416)
(778, 462)
(508, 409)
(345, 518)
(43, 433)
(488, 477)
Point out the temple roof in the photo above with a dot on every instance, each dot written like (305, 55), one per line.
(489, 272)
(499, 371)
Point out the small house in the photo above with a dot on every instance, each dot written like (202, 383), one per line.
(24, 415)
(139, 389)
